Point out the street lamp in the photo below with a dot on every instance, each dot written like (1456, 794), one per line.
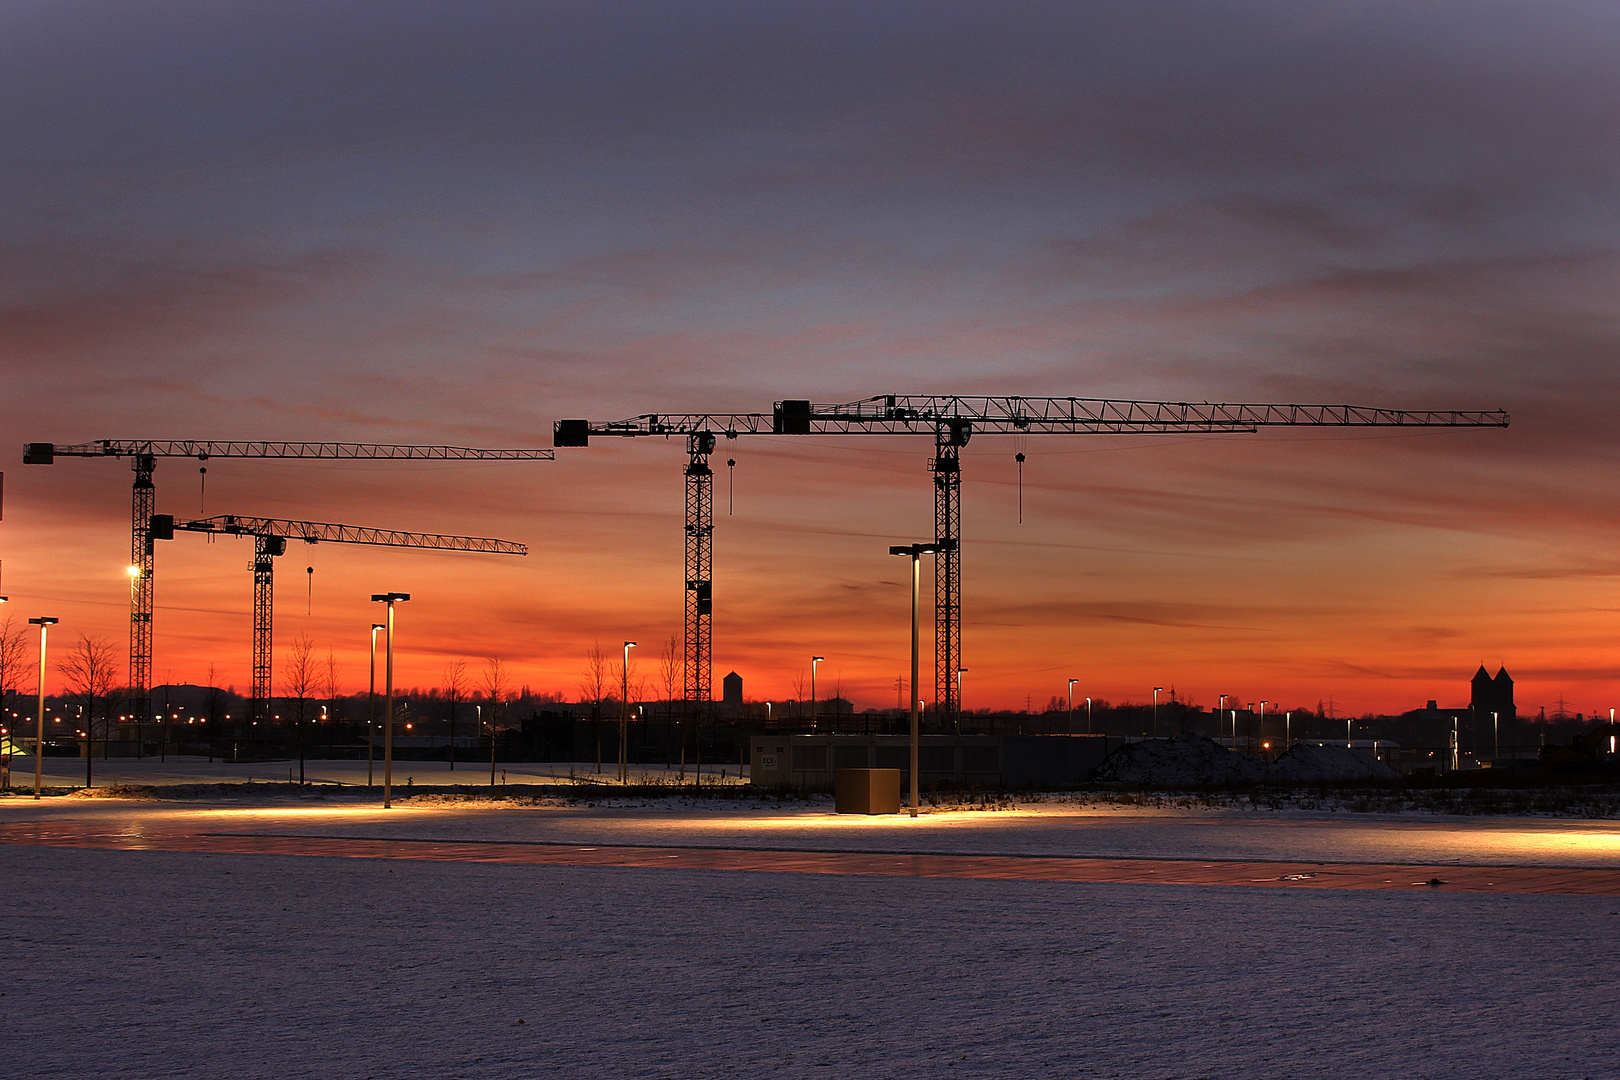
(1260, 729)
(371, 708)
(916, 552)
(814, 660)
(959, 673)
(1156, 690)
(624, 714)
(39, 739)
(390, 598)
(1071, 705)
(1088, 716)
(1222, 715)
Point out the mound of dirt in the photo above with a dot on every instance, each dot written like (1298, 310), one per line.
(1315, 764)
(1188, 760)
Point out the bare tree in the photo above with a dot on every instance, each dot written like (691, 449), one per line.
(626, 682)
(593, 682)
(669, 672)
(497, 688)
(90, 670)
(13, 665)
(456, 689)
(801, 693)
(303, 676)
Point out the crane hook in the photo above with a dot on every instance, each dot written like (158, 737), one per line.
(731, 476)
(309, 599)
(1019, 457)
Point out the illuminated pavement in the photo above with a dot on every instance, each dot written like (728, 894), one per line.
(778, 843)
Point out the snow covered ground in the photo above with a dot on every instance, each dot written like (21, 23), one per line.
(160, 964)
(69, 772)
(137, 964)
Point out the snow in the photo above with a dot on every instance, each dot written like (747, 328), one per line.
(162, 964)
(177, 769)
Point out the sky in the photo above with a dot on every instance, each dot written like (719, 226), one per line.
(459, 222)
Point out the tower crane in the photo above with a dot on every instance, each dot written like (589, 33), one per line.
(952, 420)
(143, 455)
(270, 536)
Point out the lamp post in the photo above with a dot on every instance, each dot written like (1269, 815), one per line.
(1088, 716)
(390, 599)
(479, 721)
(1288, 730)
(1071, 705)
(624, 715)
(915, 552)
(1496, 732)
(39, 737)
(371, 708)
(1260, 729)
(1156, 690)
(1222, 712)
(959, 673)
(814, 660)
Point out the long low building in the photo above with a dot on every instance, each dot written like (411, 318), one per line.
(808, 762)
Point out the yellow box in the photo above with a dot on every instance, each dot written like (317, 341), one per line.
(867, 791)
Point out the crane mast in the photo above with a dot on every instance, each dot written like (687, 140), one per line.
(270, 536)
(952, 420)
(143, 455)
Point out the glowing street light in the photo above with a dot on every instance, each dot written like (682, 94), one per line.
(814, 660)
(371, 707)
(624, 715)
(390, 599)
(39, 740)
(959, 673)
(1156, 690)
(1260, 730)
(1088, 716)
(1071, 705)
(916, 552)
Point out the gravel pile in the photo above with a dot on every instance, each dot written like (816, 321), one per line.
(1314, 764)
(1188, 760)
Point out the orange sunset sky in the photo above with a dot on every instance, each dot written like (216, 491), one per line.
(457, 223)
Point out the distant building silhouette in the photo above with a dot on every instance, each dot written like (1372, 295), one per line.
(731, 691)
(1492, 695)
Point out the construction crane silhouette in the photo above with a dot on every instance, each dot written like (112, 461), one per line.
(143, 455)
(952, 420)
(270, 537)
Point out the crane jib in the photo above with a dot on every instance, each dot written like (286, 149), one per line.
(164, 526)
